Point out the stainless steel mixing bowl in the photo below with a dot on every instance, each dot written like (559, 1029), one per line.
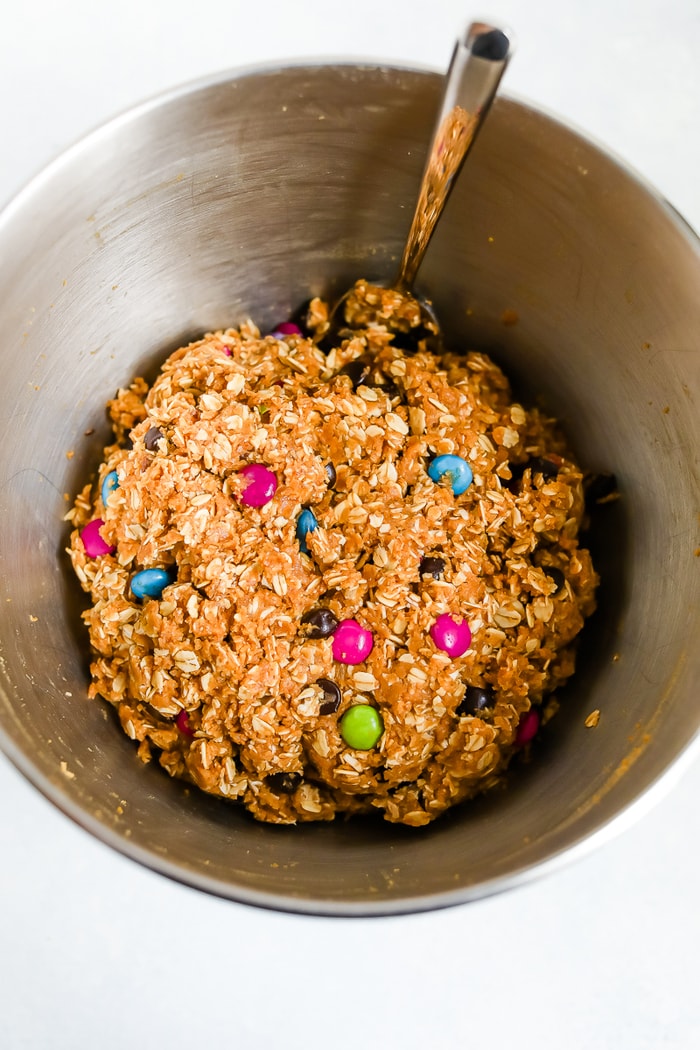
(241, 197)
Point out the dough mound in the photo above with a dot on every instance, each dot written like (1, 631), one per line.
(218, 676)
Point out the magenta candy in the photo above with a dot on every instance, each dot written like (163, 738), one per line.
(286, 328)
(527, 730)
(352, 643)
(261, 487)
(452, 637)
(183, 724)
(92, 541)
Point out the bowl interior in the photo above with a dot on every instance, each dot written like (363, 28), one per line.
(242, 197)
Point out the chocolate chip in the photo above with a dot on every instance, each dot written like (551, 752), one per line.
(332, 694)
(540, 465)
(413, 340)
(432, 566)
(330, 474)
(284, 782)
(153, 436)
(476, 699)
(329, 341)
(600, 488)
(357, 371)
(556, 575)
(513, 482)
(386, 384)
(389, 387)
(322, 622)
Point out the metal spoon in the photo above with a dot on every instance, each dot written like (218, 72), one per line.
(478, 62)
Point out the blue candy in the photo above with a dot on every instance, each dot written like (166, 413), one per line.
(110, 483)
(306, 523)
(456, 468)
(150, 583)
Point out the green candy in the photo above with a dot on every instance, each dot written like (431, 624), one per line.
(361, 727)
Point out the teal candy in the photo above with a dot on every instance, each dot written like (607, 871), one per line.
(457, 469)
(110, 483)
(150, 583)
(306, 523)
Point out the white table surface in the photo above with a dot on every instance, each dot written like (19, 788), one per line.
(96, 952)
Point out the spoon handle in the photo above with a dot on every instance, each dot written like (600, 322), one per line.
(478, 63)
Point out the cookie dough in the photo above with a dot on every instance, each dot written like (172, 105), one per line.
(296, 602)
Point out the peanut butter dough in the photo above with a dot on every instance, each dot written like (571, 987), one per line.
(226, 677)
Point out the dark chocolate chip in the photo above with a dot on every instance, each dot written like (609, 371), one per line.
(493, 45)
(516, 470)
(389, 387)
(331, 693)
(357, 371)
(410, 342)
(540, 465)
(329, 341)
(322, 622)
(600, 488)
(476, 698)
(283, 782)
(432, 566)
(556, 575)
(330, 473)
(384, 383)
(153, 436)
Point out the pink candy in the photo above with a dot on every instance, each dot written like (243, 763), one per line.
(352, 643)
(183, 724)
(452, 637)
(286, 328)
(261, 487)
(527, 730)
(92, 541)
